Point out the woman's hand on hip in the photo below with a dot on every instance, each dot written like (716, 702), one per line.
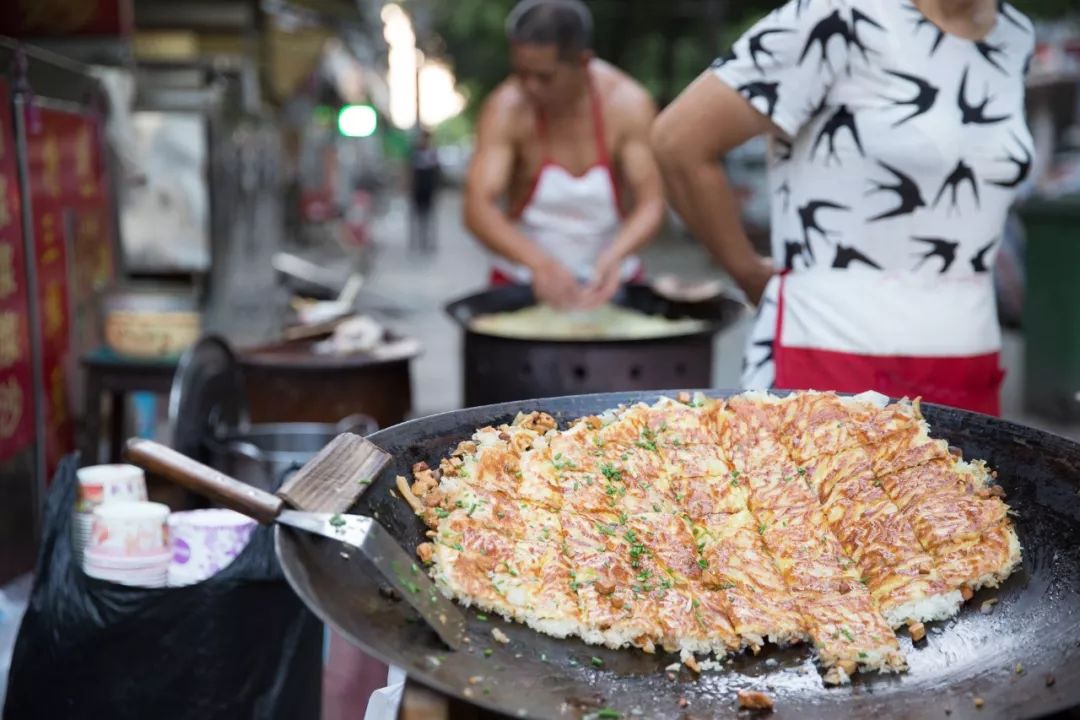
(753, 275)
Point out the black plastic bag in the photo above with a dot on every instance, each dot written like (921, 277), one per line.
(237, 645)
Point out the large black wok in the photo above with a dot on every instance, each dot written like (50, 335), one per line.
(1022, 659)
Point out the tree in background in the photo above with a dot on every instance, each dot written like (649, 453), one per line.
(662, 43)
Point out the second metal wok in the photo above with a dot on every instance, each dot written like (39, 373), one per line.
(1021, 660)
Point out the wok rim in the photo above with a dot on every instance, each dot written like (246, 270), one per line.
(713, 326)
(1046, 706)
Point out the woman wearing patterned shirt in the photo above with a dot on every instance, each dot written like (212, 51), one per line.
(898, 140)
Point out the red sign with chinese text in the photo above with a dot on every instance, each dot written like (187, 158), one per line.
(16, 376)
(62, 18)
(93, 251)
(73, 254)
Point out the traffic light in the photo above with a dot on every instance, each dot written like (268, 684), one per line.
(357, 121)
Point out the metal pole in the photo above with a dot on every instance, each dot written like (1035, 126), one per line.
(37, 345)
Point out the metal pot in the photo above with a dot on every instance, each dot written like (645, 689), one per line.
(266, 455)
(499, 369)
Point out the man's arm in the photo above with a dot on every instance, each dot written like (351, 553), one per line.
(486, 185)
(690, 138)
(635, 112)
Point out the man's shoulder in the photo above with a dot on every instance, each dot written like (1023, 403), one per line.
(506, 105)
(623, 96)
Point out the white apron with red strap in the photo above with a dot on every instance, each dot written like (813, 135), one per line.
(572, 217)
(902, 147)
(899, 334)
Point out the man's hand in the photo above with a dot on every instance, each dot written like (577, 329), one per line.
(607, 277)
(554, 285)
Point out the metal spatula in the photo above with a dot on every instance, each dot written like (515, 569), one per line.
(333, 478)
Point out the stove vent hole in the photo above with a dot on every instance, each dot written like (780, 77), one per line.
(635, 372)
(580, 373)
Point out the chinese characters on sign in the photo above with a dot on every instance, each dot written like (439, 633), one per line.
(50, 165)
(16, 414)
(73, 256)
(8, 286)
(11, 345)
(13, 408)
(84, 171)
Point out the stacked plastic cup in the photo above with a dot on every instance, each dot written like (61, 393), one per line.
(129, 544)
(99, 484)
(204, 542)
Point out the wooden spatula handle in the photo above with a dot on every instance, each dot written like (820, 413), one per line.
(204, 480)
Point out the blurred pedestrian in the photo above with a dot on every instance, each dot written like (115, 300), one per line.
(424, 164)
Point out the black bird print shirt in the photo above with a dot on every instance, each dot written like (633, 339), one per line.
(900, 147)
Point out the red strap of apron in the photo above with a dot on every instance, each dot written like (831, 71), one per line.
(603, 159)
(596, 110)
(598, 126)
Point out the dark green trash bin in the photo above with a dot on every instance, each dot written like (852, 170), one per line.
(1052, 308)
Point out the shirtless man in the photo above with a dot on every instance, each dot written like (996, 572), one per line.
(557, 145)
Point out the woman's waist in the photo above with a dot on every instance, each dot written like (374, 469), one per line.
(889, 313)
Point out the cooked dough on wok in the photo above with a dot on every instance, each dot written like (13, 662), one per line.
(607, 322)
(712, 526)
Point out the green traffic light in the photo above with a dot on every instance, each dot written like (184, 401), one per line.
(358, 121)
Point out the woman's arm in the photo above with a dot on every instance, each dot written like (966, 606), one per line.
(690, 139)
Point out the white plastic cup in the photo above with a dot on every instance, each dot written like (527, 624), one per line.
(151, 571)
(206, 541)
(81, 526)
(99, 484)
(129, 529)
